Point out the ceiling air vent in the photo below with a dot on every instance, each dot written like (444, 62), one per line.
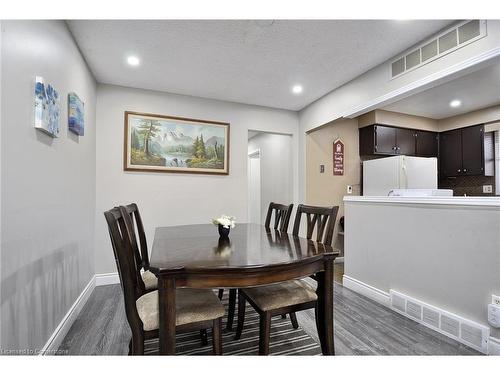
(448, 41)
(430, 50)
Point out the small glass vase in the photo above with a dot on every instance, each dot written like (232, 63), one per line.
(224, 232)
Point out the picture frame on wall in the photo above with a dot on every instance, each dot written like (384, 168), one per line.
(160, 143)
(46, 108)
(76, 114)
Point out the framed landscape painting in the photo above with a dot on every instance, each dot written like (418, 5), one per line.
(159, 143)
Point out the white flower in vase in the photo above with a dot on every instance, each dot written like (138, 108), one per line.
(226, 221)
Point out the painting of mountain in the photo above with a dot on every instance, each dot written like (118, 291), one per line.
(46, 108)
(171, 144)
(75, 114)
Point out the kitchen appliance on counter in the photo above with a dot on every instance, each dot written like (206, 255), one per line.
(381, 176)
(421, 193)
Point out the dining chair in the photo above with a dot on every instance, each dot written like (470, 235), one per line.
(147, 280)
(195, 308)
(282, 215)
(290, 296)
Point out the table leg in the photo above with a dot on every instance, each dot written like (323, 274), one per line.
(325, 308)
(166, 306)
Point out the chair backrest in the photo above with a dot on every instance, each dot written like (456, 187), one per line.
(141, 252)
(320, 218)
(119, 226)
(282, 215)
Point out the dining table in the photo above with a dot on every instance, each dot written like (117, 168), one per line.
(194, 256)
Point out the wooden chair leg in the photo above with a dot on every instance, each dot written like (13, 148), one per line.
(221, 293)
(137, 345)
(319, 328)
(203, 337)
(230, 311)
(293, 318)
(264, 333)
(217, 336)
(130, 347)
(241, 315)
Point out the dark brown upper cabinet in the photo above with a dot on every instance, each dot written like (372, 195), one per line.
(389, 140)
(462, 152)
(385, 139)
(405, 141)
(426, 143)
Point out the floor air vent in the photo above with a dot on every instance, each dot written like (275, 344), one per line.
(448, 41)
(451, 325)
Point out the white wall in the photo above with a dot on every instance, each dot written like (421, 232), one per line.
(446, 255)
(276, 165)
(48, 185)
(168, 198)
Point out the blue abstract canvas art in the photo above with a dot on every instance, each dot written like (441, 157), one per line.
(46, 108)
(75, 114)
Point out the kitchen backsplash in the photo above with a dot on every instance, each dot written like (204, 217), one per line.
(469, 185)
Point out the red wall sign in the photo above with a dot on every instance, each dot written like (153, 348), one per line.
(338, 158)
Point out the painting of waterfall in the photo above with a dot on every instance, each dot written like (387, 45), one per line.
(75, 114)
(160, 143)
(46, 108)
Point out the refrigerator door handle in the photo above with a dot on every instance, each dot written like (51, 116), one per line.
(405, 174)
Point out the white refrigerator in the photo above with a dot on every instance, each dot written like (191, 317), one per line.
(382, 176)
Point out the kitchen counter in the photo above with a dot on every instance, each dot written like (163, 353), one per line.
(443, 251)
(454, 201)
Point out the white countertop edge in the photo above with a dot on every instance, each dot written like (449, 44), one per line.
(450, 201)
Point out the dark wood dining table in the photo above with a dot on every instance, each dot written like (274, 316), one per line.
(194, 256)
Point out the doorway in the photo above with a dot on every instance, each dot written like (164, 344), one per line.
(270, 172)
(254, 187)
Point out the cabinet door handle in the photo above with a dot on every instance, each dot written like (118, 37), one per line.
(459, 171)
(465, 170)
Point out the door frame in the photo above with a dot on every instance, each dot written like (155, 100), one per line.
(254, 154)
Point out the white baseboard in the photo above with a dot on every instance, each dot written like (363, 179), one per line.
(107, 279)
(62, 329)
(385, 299)
(493, 346)
(367, 290)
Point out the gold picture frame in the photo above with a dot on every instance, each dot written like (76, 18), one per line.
(159, 143)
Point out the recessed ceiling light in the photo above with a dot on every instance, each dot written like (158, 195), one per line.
(297, 89)
(455, 103)
(133, 60)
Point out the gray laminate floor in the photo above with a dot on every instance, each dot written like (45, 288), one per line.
(362, 327)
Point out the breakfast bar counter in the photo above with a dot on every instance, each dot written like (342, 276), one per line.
(432, 249)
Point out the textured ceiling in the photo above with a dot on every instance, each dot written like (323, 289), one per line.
(246, 61)
(476, 90)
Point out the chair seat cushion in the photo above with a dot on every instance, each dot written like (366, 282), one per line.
(150, 280)
(192, 305)
(279, 295)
